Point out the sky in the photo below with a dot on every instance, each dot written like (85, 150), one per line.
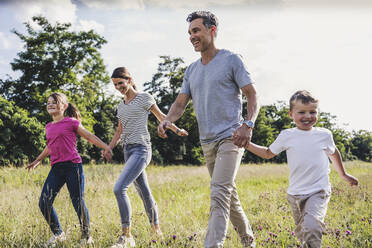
(323, 46)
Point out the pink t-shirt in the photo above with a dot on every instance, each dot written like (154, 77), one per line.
(61, 140)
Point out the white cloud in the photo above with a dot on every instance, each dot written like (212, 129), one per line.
(115, 4)
(53, 10)
(4, 42)
(86, 25)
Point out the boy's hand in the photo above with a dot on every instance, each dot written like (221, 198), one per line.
(352, 180)
(242, 136)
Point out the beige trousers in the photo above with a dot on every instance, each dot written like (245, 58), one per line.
(223, 161)
(308, 213)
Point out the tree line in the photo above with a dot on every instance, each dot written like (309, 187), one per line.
(54, 58)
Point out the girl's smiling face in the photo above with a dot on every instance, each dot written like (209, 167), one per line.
(54, 107)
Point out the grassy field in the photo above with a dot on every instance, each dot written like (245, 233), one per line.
(182, 195)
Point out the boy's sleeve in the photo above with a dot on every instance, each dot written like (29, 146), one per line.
(279, 144)
(330, 144)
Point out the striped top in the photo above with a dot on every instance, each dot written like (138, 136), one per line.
(133, 118)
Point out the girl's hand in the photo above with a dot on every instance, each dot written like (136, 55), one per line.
(32, 165)
(182, 132)
(107, 153)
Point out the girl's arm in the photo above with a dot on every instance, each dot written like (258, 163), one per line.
(161, 116)
(95, 141)
(339, 166)
(37, 161)
(261, 151)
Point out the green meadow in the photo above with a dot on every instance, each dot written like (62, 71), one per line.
(182, 195)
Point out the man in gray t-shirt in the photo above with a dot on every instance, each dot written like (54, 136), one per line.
(215, 84)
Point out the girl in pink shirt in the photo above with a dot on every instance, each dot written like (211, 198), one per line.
(66, 165)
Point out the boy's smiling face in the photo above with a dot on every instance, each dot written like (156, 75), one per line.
(304, 115)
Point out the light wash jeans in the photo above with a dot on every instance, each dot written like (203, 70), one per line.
(223, 161)
(308, 213)
(136, 157)
(73, 175)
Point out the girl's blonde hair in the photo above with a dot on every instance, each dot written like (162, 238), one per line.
(71, 110)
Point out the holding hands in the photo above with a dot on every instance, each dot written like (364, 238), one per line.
(165, 125)
(242, 136)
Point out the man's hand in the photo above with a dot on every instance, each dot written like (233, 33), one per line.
(162, 128)
(242, 136)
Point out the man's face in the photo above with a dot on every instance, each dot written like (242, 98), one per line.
(200, 36)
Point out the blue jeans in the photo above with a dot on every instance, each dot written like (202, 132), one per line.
(136, 157)
(73, 175)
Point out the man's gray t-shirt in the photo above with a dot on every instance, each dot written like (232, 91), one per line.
(216, 95)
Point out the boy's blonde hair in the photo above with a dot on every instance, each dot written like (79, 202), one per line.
(302, 95)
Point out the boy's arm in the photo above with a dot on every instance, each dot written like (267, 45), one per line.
(161, 116)
(35, 163)
(261, 151)
(95, 141)
(337, 163)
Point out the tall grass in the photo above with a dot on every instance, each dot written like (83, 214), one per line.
(182, 195)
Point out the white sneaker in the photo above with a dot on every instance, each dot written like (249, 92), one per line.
(56, 238)
(86, 241)
(124, 242)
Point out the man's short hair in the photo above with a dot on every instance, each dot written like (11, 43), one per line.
(209, 18)
(302, 95)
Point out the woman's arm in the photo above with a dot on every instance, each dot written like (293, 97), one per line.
(37, 161)
(115, 139)
(161, 116)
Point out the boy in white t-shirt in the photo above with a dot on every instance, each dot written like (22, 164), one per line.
(308, 149)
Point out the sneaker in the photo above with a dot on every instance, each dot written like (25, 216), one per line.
(86, 241)
(248, 242)
(124, 242)
(56, 238)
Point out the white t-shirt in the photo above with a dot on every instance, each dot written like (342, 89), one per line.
(307, 159)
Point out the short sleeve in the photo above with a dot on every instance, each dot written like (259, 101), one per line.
(241, 74)
(75, 124)
(330, 144)
(185, 89)
(148, 101)
(279, 144)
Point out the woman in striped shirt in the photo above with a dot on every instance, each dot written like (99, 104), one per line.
(132, 131)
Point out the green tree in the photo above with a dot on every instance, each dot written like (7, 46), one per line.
(362, 145)
(21, 136)
(58, 59)
(165, 87)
